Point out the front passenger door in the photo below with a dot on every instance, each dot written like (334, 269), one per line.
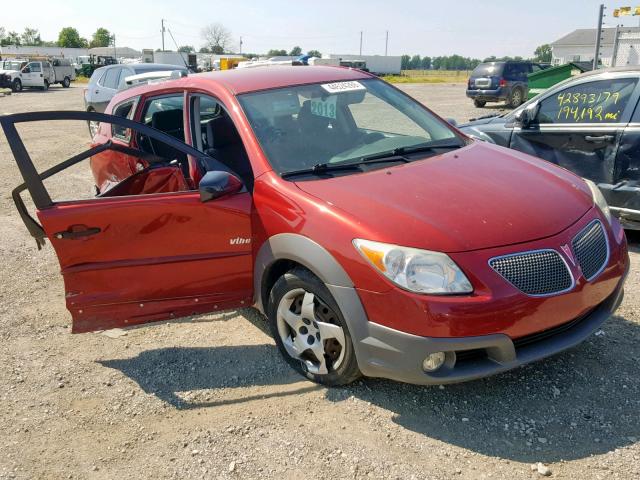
(579, 127)
(32, 75)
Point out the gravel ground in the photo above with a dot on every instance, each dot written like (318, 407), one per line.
(210, 397)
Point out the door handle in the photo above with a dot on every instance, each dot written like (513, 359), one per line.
(599, 138)
(75, 232)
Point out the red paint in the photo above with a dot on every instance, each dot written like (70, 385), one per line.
(169, 254)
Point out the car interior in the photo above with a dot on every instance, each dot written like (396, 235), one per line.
(218, 139)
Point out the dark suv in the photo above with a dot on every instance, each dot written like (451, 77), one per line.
(500, 81)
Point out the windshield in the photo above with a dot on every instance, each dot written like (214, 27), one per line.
(325, 124)
(7, 65)
(487, 69)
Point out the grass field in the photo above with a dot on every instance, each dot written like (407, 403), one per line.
(429, 76)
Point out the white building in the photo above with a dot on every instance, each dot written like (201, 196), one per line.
(580, 45)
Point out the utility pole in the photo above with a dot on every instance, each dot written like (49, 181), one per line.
(616, 45)
(115, 51)
(240, 45)
(386, 44)
(598, 37)
(360, 42)
(162, 23)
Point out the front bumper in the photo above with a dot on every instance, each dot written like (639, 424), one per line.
(396, 355)
(488, 95)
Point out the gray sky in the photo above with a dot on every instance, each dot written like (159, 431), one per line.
(470, 28)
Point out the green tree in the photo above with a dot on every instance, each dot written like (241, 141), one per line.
(425, 63)
(11, 38)
(295, 52)
(405, 62)
(204, 50)
(543, 53)
(276, 53)
(414, 63)
(186, 49)
(31, 36)
(100, 38)
(314, 53)
(70, 38)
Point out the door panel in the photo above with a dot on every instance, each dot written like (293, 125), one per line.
(154, 255)
(138, 258)
(589, 152)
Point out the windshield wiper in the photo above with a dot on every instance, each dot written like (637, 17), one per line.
(321, 168)
(401, 151)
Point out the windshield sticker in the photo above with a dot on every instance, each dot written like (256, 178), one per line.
(340, 87)
(324, 107)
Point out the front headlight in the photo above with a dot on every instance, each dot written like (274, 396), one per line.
(419, 271)
(599, 200)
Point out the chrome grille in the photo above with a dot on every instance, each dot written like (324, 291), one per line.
(538, 273)
(591, 249)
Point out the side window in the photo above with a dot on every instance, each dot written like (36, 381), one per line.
(535, 68)
(509, 71)
(46, 65)
(110, 78)
(214, 133)
(166, 114)
(602, 101)
(35, 67)
(124, 73)
(124, 110)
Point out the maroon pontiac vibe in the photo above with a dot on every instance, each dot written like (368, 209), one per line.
(377, 239)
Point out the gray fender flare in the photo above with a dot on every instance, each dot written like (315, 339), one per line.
(306, 252)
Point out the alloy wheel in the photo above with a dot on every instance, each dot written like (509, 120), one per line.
(309, 333)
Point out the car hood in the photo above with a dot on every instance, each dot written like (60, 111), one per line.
(480, 196)
(474, 122)
(8, 71)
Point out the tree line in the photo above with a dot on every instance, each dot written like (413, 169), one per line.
(67, 38)
(458, 62)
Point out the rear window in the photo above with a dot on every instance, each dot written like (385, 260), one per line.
(485, 69)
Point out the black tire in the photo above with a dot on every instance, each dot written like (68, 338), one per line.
(91, 133)
(479, 103)
(16, 86)
(300, 278)
(66, 82)
(516, 98)
(46, 85)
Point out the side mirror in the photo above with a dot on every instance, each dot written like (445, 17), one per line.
(218, 184)
(528, 115)
(26, 70)
(452, 121)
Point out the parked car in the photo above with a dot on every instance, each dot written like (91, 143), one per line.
(376, 238)
(501, 81)
(105, 82)
(589, 124)
(18, 74)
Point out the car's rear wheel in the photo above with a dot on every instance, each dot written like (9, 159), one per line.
(16, 86)
(93, 125)
(66, 82)
(479, 103)
(309, 329)
(516, 98)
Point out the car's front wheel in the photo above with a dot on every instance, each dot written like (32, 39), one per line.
(479, 103)
(16, 86)
(309, 329)
(66, 82)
